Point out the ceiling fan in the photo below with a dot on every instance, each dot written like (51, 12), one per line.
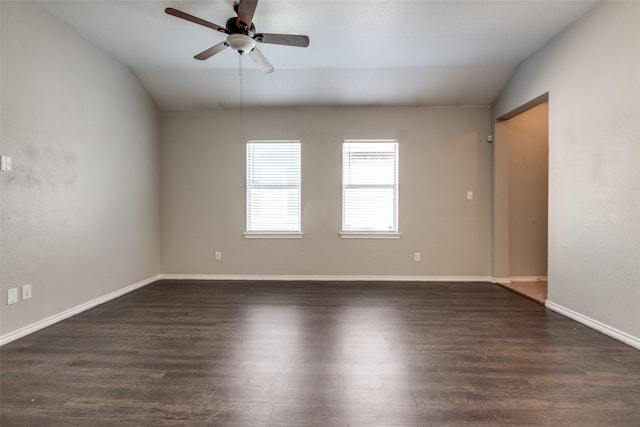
(241, 34)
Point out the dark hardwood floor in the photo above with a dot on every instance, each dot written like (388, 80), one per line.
(319, 354)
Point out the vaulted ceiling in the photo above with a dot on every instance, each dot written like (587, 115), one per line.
(362, 53)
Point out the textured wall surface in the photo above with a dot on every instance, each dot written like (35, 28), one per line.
(592, 75)
(80, 212)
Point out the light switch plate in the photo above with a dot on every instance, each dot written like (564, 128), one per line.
(26, 292)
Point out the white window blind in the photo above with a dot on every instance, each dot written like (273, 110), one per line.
(273, 186)
(370, 186)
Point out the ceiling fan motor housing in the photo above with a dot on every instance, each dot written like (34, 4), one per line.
(235, 27)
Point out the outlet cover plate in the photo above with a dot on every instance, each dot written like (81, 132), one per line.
(12, 296)
(6, 163)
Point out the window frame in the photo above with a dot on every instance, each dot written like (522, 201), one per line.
(272, 234)
(372, 233)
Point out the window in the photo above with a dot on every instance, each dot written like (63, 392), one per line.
(273, 188)
(369, 187)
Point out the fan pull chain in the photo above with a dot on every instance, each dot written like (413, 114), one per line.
(240, 72)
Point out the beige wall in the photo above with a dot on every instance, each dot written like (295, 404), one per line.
(443, 153)
(528, 184)
(592, 75)
(80, 210)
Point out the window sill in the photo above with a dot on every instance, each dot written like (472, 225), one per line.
(272, 235)
(369, 235)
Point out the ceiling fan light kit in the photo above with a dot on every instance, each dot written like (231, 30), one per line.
(241, 43)
(242, 35)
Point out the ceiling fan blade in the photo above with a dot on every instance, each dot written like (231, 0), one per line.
(246, 9)
(179, 14)
(284, 39)
(263, 64)
(212, 51)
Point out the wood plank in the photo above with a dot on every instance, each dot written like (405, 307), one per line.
(535, 290)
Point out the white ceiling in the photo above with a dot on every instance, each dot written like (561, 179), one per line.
(362, 53)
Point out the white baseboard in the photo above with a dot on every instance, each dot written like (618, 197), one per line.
(527, 278)
(323, 278)
(507, 280)
(19, 333)
(594, 324)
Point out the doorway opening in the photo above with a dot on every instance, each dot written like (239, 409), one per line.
(527, 144)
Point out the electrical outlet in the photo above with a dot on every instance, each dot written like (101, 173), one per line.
(26, 292)
(218, 255)
(417, 256)
(6, 163)
(12, 296)
(469, 195)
